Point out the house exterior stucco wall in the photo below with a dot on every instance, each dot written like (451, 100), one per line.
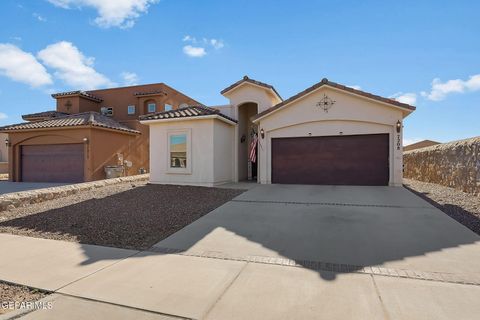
(350, 115)
(205, 170)
(223, 135)
(100, 150)
(251, 93)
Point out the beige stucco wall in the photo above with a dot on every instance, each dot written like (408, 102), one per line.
(223, 135)
(348, 116)
(205, 170)
(251, 93)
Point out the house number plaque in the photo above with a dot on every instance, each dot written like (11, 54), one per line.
(399, 144)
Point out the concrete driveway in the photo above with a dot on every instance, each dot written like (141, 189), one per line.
(10, 187)
(274, 252)
(358, 226)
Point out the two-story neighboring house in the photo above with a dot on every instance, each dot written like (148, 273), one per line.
(88, 131)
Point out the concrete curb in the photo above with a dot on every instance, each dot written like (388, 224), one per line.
(14, 200)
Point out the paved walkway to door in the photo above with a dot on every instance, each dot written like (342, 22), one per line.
(274, 252)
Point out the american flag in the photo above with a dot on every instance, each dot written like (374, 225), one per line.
(252, 156)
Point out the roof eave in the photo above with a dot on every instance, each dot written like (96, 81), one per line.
(204, 117)
(406, 110)
(225, 92)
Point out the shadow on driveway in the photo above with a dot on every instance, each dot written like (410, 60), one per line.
(360, 228)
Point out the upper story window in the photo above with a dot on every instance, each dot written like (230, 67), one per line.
(106, 111)
(131, 110)
(168, 107)
(152, 107)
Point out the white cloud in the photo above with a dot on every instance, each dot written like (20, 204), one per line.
(72, 66)
(129, 78)
(39, 17)
(198, 48)
(111, 13)
(22, 66)
(217, 44)
(189, 38)
(408, 97)
(440, 89)
(194, 52)
(355, 87)
(3, 116)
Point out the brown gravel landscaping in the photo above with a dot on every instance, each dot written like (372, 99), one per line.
(461, 206)
(127, 215)
(10, 294)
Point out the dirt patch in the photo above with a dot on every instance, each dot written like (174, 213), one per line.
(461, 206)
(132, 216)
(12, 296)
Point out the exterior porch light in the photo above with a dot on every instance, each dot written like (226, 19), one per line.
(7, 142)
(85, 140)
(262, 133)
(399, 126)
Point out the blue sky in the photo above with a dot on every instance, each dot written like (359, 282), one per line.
(390, 48)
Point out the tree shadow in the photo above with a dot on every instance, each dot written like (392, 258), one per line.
(329, 238)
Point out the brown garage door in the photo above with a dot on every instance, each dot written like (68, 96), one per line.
(331, 160)
(52, 163)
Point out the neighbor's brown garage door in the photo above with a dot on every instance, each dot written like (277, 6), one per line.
(52, 163)
(331, 160)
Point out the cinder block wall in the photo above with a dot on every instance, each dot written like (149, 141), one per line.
(454, 164)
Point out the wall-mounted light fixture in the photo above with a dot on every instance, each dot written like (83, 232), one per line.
(399, 126)
(7, 142)
(85, 140)
(262, 133)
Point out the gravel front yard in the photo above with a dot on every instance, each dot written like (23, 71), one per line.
(11, 295)
(133, 216)
(461, 206)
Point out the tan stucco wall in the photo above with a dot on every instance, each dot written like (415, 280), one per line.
(204, 169)
(101, 149)
(3, 148)
(349, 115)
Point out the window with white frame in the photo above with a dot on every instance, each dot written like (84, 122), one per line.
(152, 107)
(179, 157)
(168, 107)
(131, 110)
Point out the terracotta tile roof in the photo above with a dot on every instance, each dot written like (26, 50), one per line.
(247, 79)
(92, 119)
(148, 93)
(43, 115)
(78, 92)
(190, 111)
(324, 82)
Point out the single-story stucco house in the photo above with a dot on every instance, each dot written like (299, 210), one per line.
(327, 134)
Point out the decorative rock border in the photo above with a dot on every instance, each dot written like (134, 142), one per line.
(14, 200)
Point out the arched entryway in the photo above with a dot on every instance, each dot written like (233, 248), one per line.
(247, 169)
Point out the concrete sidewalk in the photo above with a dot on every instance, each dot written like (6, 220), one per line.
(147, 285)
